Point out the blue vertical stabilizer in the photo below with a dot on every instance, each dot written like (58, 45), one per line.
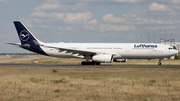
(28, 40)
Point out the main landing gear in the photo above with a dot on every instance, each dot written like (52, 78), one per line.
(90, 63)
(159, 63)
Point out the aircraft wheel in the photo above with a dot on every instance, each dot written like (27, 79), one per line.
(89, 63)
(159, 63)
(83, 63)
(93, 63)
(98, 63)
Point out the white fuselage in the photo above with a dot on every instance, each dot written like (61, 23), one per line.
(120, 50)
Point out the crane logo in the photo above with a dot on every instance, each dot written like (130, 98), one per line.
(24, 35)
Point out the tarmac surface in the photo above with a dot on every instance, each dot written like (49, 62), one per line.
(10, 63)
(84, 66)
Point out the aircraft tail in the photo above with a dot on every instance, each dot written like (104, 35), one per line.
(28, 40)
(25, 36)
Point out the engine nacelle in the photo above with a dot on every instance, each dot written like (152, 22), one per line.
(120, 60)
(104, 58)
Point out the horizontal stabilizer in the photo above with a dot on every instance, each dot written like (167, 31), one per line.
(16, 44)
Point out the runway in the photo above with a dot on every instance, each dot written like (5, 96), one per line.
(86, 66)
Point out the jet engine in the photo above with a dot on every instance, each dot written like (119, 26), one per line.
(104, 58)
(25, 46)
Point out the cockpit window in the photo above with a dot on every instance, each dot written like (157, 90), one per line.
(170, 48)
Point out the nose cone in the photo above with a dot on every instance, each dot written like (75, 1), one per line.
(176, 52)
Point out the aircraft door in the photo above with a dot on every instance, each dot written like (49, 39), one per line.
(127, 50)
(155, 52)
(160, 51)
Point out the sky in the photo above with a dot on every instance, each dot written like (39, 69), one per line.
(89, 21)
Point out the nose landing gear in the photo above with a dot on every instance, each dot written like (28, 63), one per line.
(159, 63)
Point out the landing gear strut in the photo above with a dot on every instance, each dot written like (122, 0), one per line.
(159, 63)
(87, 62)
(90, 63)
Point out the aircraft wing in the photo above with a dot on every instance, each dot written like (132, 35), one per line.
(79, 51)
(73, 51)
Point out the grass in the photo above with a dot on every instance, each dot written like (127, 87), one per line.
(63, 80)
(54, 71)
(105, 84)
(7, 57)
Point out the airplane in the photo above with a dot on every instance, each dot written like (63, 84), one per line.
(96, 52)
